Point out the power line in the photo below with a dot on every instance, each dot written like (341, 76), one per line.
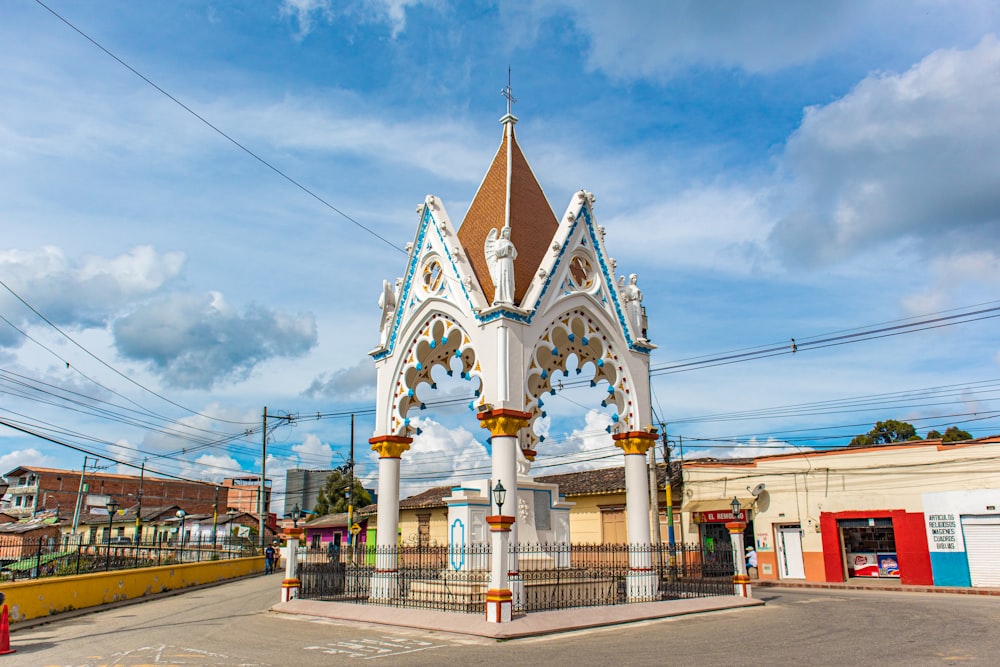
(221, 133)
(104, 363)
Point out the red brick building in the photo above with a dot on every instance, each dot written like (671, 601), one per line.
(33, 490)
(244, 494)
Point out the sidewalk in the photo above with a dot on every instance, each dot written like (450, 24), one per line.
(873, 584)
(526, 625)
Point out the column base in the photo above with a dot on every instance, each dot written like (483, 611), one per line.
(499, 605)
(384, 586)
(290, 589)
(641, 585)
(741, 586)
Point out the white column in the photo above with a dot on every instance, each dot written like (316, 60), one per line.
(385, 580)
(290, 585)
(641, 580)
(504, 425)
(741, 582)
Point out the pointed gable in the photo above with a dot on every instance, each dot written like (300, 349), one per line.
(532, 222)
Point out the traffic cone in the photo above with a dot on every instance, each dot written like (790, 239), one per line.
(5, 633)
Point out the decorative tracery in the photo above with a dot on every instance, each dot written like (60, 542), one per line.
(576, 334)
(440, 342)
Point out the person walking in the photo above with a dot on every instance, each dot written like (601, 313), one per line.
(269, 559)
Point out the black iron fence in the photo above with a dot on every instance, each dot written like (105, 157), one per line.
(548, 576)
(30, 558)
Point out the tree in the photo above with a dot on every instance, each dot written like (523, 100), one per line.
(885, 433)
(333, 496)
(951, 434)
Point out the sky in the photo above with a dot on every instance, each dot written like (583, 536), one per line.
(200, 200)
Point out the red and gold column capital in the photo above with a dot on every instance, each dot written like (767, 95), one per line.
(499, 523)
(503, 421)
(736, 527)
(635, 442)
(390, 446)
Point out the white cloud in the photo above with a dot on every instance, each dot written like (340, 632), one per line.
(902, 158)
(81, 293)
(23, 457)
(313, 452)
(957, 280)
(305, 12)
(437, 457)
(651, 38)
(714, 226)
(199, 341)
(356, 382)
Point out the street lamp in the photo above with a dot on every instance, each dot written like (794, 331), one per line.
(180, 515)
(736, 507)
(112, 510)
(296, 515)
(499, 495)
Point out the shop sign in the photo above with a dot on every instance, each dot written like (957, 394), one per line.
(720, 516)
(944, 530)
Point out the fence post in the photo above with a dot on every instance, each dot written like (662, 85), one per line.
(38, 560)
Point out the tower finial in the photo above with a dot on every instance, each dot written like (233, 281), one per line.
(508, 92)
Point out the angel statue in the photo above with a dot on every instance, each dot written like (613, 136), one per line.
(387, 302)
(500, 256)
(633, 304)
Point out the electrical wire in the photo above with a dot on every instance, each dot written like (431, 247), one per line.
(221, 133)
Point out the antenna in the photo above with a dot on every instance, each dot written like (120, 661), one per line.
(757, 490)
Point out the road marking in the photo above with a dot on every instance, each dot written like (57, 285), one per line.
(163, 655)
(368, 649)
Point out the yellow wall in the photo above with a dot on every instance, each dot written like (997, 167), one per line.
(409, 525)
(51, 595)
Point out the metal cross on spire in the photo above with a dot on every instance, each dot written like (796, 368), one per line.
(509, 94)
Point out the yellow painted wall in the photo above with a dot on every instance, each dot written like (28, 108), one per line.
(409, 525)
(52, 595)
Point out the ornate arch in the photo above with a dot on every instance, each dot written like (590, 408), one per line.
(439, 340)
(578, 333)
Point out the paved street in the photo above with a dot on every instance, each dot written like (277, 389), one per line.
(229, 625)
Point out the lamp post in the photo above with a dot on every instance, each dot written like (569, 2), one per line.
(499, 597)
(741, 582)
(180, 515)
(112, 510)
(499, 495)
(296, 515)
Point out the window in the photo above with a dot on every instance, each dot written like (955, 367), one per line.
(423, 530)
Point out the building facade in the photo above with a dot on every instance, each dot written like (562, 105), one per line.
(33, 490)
(243, 494)
(918, 512)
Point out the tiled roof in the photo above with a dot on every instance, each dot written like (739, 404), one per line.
(328, 521)
(601, 481)
(532, 222)
(433, 497)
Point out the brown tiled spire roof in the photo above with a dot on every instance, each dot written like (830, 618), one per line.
(532, 222)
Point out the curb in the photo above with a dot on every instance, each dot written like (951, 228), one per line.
(832, 586)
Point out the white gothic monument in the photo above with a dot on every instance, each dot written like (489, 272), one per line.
(510, 296)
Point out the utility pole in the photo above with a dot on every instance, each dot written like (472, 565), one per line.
(654, 498)
(215, 518)
(680, 445)
(263, 478)
(669, 487)
(350, 493)
(138, 508)
(79, 497)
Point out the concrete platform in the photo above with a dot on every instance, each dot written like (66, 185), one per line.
(526, 625)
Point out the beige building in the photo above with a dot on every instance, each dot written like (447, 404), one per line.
(597, 516)
(923, 512)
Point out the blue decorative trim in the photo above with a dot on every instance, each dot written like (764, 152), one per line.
(457, 525)
(426, 220)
